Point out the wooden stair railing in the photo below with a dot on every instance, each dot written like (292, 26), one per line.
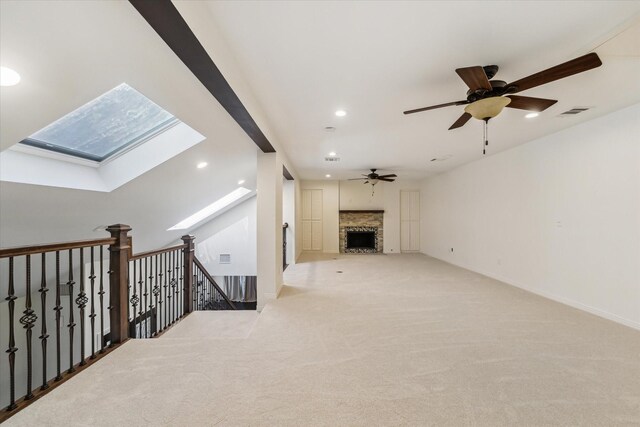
(108, 295)
(61, 270)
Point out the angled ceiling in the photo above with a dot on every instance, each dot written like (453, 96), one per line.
(68, 53)
(305, 60)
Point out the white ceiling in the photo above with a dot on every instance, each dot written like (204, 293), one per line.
(69, 53)
(304, 60)
(301, 61)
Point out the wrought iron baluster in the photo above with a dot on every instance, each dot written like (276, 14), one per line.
(205, 291)
(129, 284)
(169, 289)
(139, 319)
(71, 324)
(156, 291)
(178, 285)
(82, 301)
(143, 307)
(101, 293)
(92, 316)
(209, 296)
(27, 320)
(160, 301)
(173, 287)
(196, 290)
(134, 300)
(11, 298)
(58, 309)
(43, 327)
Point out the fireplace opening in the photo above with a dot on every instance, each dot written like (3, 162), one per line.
(361, 240)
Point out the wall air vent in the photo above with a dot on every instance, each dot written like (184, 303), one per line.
(574, 111)
(332, 159)
(225, 258)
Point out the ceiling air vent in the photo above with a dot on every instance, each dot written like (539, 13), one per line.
(332, 159)
(442, 159)
(225, 258)
(574, 111)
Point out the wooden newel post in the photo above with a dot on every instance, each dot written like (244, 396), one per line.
(189, 253)
(118, 277)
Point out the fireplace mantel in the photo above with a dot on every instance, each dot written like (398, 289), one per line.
(362, 211)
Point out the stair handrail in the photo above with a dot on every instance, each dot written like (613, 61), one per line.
(213, 282)
(52, 247)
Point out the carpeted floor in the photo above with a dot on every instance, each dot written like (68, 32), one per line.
(392, 340)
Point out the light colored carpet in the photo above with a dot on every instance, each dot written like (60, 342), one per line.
(393, 340)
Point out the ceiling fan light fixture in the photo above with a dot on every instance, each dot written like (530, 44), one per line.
(532, 115)
(487, 108)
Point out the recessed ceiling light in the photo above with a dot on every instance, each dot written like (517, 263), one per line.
(532, 115)
(327, 176)
(202, 165)
(241, 182)
(341, 113)
(332, 154)
(8, 77)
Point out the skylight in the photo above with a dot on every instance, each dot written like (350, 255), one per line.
(214, 207)
(114, 121)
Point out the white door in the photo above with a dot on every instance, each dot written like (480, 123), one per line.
(312, 220)
(409, 221)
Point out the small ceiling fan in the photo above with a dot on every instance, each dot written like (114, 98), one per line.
(487, 98)
(373, 178)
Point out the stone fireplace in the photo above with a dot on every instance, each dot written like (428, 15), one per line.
(361, 231)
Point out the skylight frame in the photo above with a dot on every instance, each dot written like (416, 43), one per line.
(42, 145)
(128, 99)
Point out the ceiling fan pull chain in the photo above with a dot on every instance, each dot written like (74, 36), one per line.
(486, 137)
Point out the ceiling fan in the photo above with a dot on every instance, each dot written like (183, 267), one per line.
(487, 98)
(373, 178)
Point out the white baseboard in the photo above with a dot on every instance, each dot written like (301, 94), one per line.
(563, 300)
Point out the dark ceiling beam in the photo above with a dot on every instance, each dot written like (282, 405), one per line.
(286, 173)
(165, 19)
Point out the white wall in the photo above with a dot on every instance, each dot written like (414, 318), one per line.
(330, 203)
(233, 232)
(355, 195)
(559, 216)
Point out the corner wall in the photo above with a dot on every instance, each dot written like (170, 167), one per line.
(559, 216)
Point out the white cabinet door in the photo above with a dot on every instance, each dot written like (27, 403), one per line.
(409, 221)
(306, 235)
(312, 220)
(316, 235)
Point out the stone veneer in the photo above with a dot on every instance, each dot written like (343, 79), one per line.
(369, 219)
